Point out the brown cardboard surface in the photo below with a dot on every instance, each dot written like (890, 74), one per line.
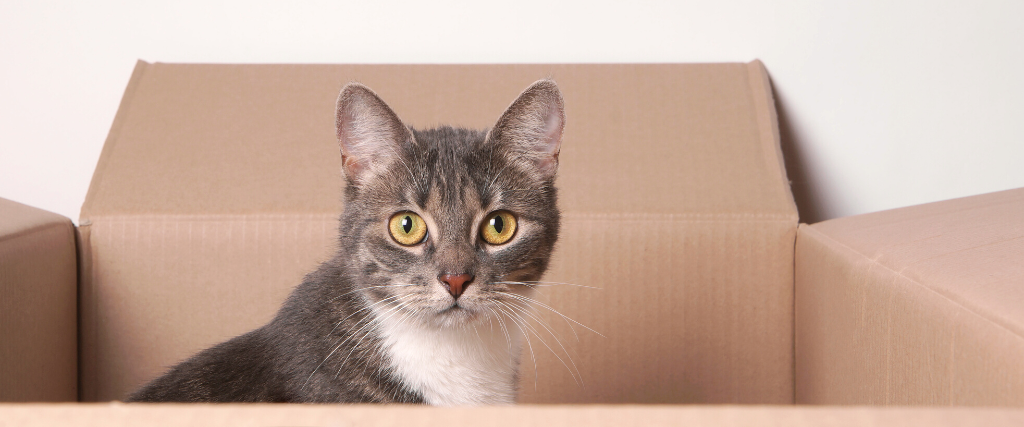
(919, 305)
(219, 186)
(163, 287)
(38, 297)
(575, 415)
(211, 139)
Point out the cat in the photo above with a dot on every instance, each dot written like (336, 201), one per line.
(443, 234)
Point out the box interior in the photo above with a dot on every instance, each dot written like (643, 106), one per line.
(219, 187)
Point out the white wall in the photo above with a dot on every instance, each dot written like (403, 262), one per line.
(884, 104)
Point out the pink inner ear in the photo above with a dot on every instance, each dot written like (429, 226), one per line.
(552, 133)
(368, 131)
(352, 168)
(550, 141)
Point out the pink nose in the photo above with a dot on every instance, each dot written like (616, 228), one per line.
(457, 283)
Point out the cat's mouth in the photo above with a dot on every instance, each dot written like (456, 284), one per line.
(455, 308)
(457, 313)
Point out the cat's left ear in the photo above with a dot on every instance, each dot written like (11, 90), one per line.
(370, 133)
(532, 127)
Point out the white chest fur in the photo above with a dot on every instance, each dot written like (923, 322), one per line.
(457, 366)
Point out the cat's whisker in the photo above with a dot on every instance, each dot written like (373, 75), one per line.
(508, 337)
(477, 331)
(381, 302)
(532, 355)
(523, 323)
(569, 355)
(371, 305)
(526, 309)
(372, 287)
(538, 302)
(490, 322)
(536, 283)
(528, 304)
(541, 304)
(377, 319)
(364, 321)
(379, 350)
(340, 322)
(529, 311)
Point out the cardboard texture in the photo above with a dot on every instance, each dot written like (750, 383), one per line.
(219, 188)
(198, 415)
(919, 305)
(38, 306)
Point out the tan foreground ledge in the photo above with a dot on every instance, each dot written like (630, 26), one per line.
(120, 414)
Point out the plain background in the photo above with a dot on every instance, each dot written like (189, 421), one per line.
(882, 103)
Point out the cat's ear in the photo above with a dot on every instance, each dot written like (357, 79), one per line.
(369, 132)
(531, 128)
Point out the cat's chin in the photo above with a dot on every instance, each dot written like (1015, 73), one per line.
(457, 316)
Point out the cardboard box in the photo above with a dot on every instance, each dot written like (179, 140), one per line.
(915, 306)
(38, 305)
(219, 187)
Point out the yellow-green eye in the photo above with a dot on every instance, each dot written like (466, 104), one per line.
(498, 227)
(407, 228)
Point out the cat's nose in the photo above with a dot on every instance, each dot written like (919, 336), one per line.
(457, 283)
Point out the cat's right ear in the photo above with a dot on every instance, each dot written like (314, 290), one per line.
(531, 128)
(369, 132)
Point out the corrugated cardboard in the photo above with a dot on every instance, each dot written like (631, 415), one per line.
(198, 415)
(219, 188)
(38, 299)
(919, 305)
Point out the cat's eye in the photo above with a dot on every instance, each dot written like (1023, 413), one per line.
(407, 228)
(498, 228)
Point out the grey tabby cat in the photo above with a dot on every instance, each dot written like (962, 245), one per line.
(442, 234)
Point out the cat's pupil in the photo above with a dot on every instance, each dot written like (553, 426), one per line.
(498, 224)
(407, 224)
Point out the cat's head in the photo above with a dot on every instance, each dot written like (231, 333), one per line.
(449, 226)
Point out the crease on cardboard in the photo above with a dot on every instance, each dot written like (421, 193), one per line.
(978, 202)
(793, 310)
(624, 216)
(111, 142)
(218, 217)
(85, 284)
(768, 123)
(38, 228)
(80, 269)
(20, 219)
(829, 241)
(889, 309)
(969, 248)
(951, 372)
(763, 101)
(685, 216)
